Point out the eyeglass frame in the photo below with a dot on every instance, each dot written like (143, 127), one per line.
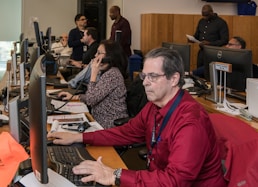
(152, 77)
(83, 19)
(231, 44)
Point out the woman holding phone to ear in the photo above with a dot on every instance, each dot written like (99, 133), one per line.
(106, 95)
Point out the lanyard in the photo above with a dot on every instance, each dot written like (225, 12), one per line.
(164, 122)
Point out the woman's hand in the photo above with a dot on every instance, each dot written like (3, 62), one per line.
(76, 63)
(95, 171)
(65, 95)
(95, 68)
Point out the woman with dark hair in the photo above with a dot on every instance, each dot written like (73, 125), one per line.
(106, 95)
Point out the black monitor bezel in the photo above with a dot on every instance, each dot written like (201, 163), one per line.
(24, 48)
(38, 36)
(182, 49)
(38, 121)
(231, 56)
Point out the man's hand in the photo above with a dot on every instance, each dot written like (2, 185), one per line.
(95, 171)
(65, 96)
(204, 42)
(65, 138)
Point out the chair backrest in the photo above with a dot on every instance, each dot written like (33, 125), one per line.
(136, 97)
(238, 143)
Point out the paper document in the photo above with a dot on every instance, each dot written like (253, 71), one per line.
(57, 127)
(73, 107)
(55, 180)
(67, 118)
(193, 39)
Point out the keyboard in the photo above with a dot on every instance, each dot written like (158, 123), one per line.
(52, 81)
(65, 158)
(50, 107)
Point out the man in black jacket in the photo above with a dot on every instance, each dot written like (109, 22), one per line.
(211, 30)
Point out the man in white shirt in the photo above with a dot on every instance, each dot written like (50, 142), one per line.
(62, 50)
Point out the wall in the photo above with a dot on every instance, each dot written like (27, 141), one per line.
(134, 8)
(10, 12)
(59, 14)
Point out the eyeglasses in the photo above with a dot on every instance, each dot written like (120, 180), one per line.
(150, 76)
(99, 53)
(83, 19)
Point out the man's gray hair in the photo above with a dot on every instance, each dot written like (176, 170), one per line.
(172, 62)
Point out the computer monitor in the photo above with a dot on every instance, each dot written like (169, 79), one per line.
(19, 128)
(22, 79)
(183, 49)
(34, 55)
(241, 60)
(48, 39)
(38, 36)
(38, 121)
(24, 50)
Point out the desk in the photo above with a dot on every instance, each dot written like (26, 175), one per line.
(211, 108)
(108, 153)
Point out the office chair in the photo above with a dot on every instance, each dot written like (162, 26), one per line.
(136, 100)
(238, 144)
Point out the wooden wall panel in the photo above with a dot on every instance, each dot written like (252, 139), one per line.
(242, 27)
(229, 20)
(155, 28)
(183, 24)
(254, 39)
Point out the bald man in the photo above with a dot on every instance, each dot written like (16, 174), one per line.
(121, 24)
(211, 30)
(62, 47)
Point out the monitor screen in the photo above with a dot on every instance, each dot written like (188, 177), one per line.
(183, 49)
(241, 60)
(22, 79)
(38, 36)
(19, 129)
(38, 121)
(24, 50)
(34, 55)
(48, 38)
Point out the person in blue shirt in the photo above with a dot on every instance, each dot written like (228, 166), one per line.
(75, 38)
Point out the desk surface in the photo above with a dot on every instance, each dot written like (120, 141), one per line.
(211, 108)
(108, 153)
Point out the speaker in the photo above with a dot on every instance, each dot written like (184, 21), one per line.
(95, 12)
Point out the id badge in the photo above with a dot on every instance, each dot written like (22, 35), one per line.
(84, 48)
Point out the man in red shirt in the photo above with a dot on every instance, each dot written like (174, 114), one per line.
(178, 133)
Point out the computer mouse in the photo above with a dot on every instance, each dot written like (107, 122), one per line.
(4, 119)
(83, 126)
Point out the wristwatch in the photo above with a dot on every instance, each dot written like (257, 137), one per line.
(117, 174)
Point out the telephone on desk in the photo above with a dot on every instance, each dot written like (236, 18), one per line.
(200, 86)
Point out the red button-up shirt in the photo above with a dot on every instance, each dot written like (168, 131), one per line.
(186, 154)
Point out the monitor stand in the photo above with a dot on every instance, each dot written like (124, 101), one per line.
(213, 80)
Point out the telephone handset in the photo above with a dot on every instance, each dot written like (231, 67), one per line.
(198, 82)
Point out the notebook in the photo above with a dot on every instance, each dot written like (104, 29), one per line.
(252, 96)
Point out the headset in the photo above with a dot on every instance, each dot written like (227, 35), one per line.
(81, 127)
